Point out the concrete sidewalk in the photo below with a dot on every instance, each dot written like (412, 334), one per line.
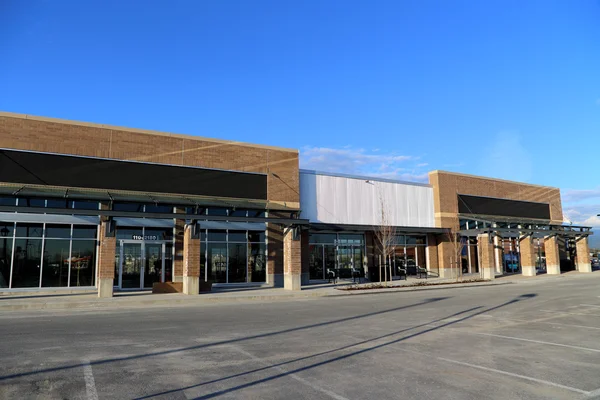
(20, 301)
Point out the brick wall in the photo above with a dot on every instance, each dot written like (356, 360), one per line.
(106, 254)
(447, 185)
(292, 259)
(24, 132)
(191, 254)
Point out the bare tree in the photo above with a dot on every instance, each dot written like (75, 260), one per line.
(457, 243)
(385, 235)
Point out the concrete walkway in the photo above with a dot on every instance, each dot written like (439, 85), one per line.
(19, 301)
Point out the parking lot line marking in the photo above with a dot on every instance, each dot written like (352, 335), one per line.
(593, 394)
(291, 375)
(570, 313)
(536, 341)
(481, 367)
(90, 384)
(527, 378)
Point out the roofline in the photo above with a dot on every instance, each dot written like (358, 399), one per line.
(143, 131)
(362, 177)
(438, 171)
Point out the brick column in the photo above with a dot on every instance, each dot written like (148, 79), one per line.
(106, 262)
(527, 250)
(191, 262)
(292, 261)
(274, 255)
(552, 255)
(498, 253)
(584, 263)
(432, 254)
(486, 256)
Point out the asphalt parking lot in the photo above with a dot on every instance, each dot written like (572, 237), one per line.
(538, 339)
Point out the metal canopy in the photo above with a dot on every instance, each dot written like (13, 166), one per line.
(572, 231)
(399, 229)
(140, 197)
(135, 214)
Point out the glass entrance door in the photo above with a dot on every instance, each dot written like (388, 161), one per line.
(131, 266)
(153, 266)
(141, 264)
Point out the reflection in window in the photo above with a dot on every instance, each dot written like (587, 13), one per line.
(236, 270)
(27, 263)
(83, 263)
(5, 258)
(257, 262)
(217, 262)
(55, 272)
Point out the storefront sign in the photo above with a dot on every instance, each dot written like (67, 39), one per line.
(140, 237)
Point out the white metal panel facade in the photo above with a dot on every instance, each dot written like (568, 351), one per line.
(331, 199)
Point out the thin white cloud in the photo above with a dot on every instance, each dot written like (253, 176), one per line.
(422, 164)
(359, 161)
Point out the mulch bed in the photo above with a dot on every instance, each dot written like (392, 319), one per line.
(382, 286)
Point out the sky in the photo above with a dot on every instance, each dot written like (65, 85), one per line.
(508, 89)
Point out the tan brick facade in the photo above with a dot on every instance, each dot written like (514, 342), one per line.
(24, 132)
(191, 253)
(485, 248)
(528, 255)
(432, 254)
(552, 255)
(447, 186)
(292, 261)
(583, 255)
(191, 262)
(106, 254)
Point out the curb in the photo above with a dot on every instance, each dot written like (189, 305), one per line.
(123, 304)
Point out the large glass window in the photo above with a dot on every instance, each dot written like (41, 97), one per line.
(216, 255)
(27, 262)
(315, 261)
(257, 262)
(45, 255)
(55, 272)
(236, 268)
(233, 256)
(83, 263)
(6, 241)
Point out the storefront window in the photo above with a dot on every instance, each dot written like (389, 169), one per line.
(233, 256)
(27, 263)
(6, 241)
(44, 255)
(83, 263)
(56, 263)
(216, 257)
(236, 268)
(257, 262)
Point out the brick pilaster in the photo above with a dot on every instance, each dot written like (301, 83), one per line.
(583, 255)
(528, 255)
(486, 256)
(292, 261)
(552, 255)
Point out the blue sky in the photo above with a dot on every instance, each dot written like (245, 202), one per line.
(509, 89)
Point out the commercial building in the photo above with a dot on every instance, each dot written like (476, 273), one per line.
(94, 206)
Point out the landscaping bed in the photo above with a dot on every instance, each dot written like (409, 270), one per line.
(378, 285)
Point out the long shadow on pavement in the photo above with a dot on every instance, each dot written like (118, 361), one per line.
(375, 347)
(219, 343)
